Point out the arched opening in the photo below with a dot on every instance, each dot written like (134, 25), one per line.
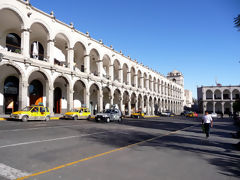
(133, 102)
(226, 94)
(227, 108)
(61, 45)
(150, 83)
(126, 99)
(117, 98)
(145, 104)
(106, 98)
(79, 95)
(139, 79)
(145, 80)
(37, 51)
(35, 92)
(140, 108)
(210, 107)
(154, 85)
(57, 100)
(79, 52)
(218, 108)
(61, 92)
(94, 60)
(235, 94)
(11, 91)
(106, 66)
(9, 88)
(125, 74)
(13, 43)
(133, 74)
(217, 94)
(94, 99)
(116, 70)
(209, 94)
(38, 40)
(10, 31)
(150, 106)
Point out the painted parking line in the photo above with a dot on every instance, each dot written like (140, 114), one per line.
(11, 173)
(101, 154)
(49, 140)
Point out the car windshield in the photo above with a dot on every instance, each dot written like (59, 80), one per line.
(74, 110)
(107, 111)
(28, 108)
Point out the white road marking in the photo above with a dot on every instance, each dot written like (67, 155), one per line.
(48, 140)
(11, 173)
(28, 129)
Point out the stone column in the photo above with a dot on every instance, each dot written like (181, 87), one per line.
(136, 105)
(135, 80)
(111, 72)
(120, 75)
(70, 59)
(25, 42)
(50, 99)
(100, 68)
(222, 107)
(100, 101)
(87, 64)
(121, 104)
(214, 103)
(70, 98)
(142, 104)
(141, 82)
(221, 95)
(152, 113)
(50, 51)
(23, 94)
(147, 106)
(231, 96)
(147, 84)
(129, 107)
(231, 108)
(129, 78)
(87, 98)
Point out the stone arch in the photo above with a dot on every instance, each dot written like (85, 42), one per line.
(94, 62)
(125, 70)
(79, 55)
(217, 94)
(209, 94)
(79, 94)
(106, 66)
(235, 94)
(116, 70)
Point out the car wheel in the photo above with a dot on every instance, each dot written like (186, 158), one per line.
(24, 118)
(108, 120)
(120, 120)
(75, 118)
(89, 118)
(47, 118)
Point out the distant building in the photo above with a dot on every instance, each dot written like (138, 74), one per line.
(218, 99)
(188, 100)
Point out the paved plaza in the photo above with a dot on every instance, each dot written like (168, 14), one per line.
(155, 148)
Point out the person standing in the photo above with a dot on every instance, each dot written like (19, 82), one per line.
(207, 121)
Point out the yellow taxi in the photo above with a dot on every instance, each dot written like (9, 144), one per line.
(34, 112)
(81, 113)
(138, 114)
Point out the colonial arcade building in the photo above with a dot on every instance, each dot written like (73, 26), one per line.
(217, 99)
(45, 60)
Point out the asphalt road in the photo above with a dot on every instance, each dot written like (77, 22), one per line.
(153, 149)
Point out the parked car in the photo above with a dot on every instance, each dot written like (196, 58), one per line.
(138, 114)
(81, 113)
(184, 113)
(167, 113)
(35, 112)
(214, 115)
(192, 114)
(109, 115)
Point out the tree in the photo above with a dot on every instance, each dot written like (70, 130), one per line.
(236, 106)
(237, 22)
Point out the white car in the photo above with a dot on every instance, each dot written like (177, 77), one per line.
(214, 115)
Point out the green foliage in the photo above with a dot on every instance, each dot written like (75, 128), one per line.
(237, 22)
(236, 106)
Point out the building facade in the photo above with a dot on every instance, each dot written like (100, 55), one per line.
(45, 60)
(188, 99)
(217, 99)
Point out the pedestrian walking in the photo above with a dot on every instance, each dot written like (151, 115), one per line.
(207, 122)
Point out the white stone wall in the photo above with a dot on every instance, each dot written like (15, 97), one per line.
(80, 50)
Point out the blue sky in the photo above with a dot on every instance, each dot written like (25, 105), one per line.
(196, 37)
